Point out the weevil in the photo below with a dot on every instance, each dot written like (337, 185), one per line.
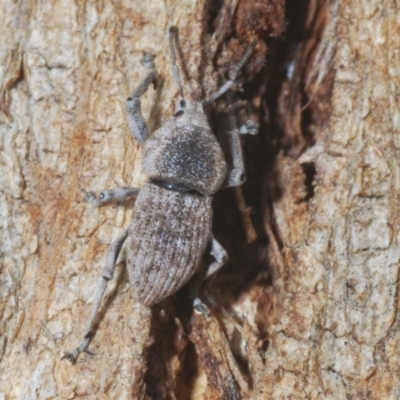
(171, 225)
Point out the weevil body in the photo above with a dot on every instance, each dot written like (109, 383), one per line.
(171, 225)
(165, 247)
(172, 222)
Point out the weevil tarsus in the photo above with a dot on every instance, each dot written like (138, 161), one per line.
(118, 194)
(234, 72)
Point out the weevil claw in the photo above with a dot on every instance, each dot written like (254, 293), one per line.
(90, 197)
(70, 356)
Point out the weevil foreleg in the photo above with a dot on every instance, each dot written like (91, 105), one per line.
(137, 124)
(106, 196)
(220, 258)
(233, 74)
(107, 274)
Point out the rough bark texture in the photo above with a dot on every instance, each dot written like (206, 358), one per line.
(307, 305)
(336, 332)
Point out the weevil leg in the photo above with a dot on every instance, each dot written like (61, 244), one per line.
(233, 73)
(107, 196)
(237, 175)
(220, 258)
(107, 274)
(136, 122)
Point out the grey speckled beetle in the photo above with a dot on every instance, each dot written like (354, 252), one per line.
(171, 225)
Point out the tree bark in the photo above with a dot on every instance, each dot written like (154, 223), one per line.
(307, 305)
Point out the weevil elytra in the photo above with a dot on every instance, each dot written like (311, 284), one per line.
(171, 225)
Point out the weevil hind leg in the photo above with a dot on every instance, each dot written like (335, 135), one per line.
(220, 258)
(107, 275)
(107, 196)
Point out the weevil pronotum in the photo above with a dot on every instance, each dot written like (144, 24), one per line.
(171, 224)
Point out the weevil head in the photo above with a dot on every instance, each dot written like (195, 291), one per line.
(191, 112)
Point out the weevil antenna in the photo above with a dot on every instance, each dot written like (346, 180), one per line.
(233, 74)
(173, 32)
